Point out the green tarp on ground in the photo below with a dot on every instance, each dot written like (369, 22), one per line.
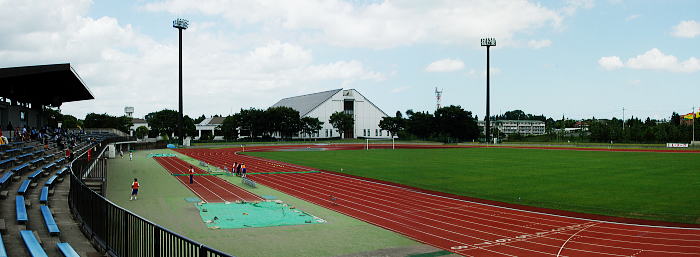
(251, 215)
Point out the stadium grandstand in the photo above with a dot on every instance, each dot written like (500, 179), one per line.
(40, 214)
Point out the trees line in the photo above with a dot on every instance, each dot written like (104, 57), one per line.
(447, 124)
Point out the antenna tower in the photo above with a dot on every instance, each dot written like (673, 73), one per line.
(438, 97)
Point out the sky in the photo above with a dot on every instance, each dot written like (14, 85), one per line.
(576, 58)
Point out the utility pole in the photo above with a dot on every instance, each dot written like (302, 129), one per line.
(694, 118)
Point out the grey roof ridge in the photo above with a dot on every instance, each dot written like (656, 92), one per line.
(370, 102)
(319, 104)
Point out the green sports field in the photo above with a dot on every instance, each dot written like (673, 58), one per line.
(655, 186)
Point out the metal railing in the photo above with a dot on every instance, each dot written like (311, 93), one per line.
(117, 231)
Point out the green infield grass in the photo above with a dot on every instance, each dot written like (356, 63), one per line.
(655, 186)
(162, 200)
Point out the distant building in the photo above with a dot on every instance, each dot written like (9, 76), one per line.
(322, 105)
(522, 127)
(210, 127)
(138, 122)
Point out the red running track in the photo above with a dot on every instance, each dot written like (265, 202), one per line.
(207, 188)
(463, 227)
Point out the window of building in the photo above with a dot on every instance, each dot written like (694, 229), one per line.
(381, 133)
(376, 132)
(22, 116)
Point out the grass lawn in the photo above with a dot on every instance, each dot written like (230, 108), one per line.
(161, 200)
(657, 186)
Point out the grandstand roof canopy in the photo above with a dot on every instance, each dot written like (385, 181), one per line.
(51, 84)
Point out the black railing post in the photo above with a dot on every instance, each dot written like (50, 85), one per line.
(125, 235)
(156, 241)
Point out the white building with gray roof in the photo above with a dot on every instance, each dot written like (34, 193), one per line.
(322, 105)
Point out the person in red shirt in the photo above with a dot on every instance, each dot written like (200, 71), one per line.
(191, 175)
(134, 189)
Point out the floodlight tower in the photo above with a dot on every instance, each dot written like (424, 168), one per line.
(488, 43)
(180, 24)
(438, 97)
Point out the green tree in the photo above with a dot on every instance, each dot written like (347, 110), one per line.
(93, 120)
(190, 128)
(456, 123)
(420, 124)
(229, 127)
(252, 122)
(163, 122)
(141, 132)
(342, 122)
(70, 122)
(200, 119)
(310, 125)
(283, 120)
(393, 124)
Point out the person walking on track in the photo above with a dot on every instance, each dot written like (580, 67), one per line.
(191, 175)
(134, 189)
(243, 170)
(233, 169)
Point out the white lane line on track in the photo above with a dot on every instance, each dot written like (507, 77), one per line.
(363, 203)
(355, 190)
(572, 236)
(237, 188)
(212, 181)
(162, 164)
(554, 247)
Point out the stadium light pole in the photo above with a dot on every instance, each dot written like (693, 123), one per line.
(180, 24)
(488, 43)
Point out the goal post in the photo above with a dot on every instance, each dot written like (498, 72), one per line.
(380, 143)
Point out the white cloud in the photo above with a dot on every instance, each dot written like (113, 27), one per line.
(653, 59)
(573, 5)
(635, 82)
(445, 65)
(537, 44)
(633, 17)
(610, 62)
(688, 29)
(123, 67)
(382, 24)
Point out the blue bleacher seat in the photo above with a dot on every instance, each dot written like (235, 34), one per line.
(44, 196)
(38, 152)
(61, 160)
(67, 250)
(22, 156)
(23, 188)
(49, 166)
(49, 221)
(61, 171)
(10, 151)
(35, 174)
(51, 181)
(5, 178)
(7, 161)
(21, 210)
(3, 253)
(37, 160)
(32, 244)
(19, 168)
